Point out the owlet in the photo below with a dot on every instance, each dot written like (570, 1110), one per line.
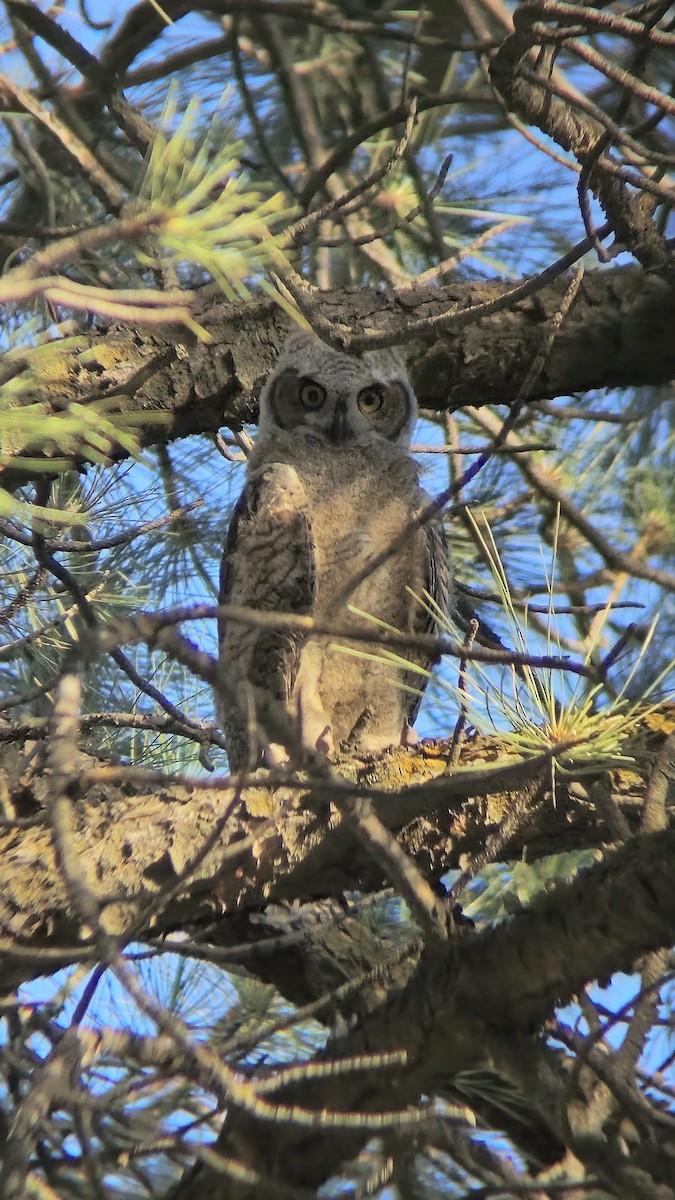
(330, 486)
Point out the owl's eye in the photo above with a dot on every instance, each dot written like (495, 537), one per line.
(311, 394)
(370, 400)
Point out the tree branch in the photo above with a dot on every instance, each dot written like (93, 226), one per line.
(619, 334)
(450, 1012)
(155, 864)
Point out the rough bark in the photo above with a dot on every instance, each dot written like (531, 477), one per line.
(630, 214)
(158, 857)
(476, 999)
(618, 334)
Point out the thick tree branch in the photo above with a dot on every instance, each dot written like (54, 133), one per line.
(457, 999)
(161, 857)
(618, 334)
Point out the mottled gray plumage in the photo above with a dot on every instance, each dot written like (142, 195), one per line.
(330, 484)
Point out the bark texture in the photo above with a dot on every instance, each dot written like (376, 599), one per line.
(159, 858)
(618, 333)
(210, 861)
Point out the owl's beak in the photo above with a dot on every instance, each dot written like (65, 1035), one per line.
(339, 430)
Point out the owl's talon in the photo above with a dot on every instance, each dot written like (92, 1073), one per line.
(324, 742)
(409, 736)
(275, 755)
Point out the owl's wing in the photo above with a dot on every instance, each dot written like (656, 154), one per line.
(268, 564)
(439, 585)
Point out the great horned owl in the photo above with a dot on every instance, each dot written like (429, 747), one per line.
(330, 484)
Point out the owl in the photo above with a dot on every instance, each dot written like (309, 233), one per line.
(330, 486)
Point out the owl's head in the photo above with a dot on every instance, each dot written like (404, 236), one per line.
(318, 391)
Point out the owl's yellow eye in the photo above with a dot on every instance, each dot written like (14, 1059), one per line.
(370, 400)
(311, 394)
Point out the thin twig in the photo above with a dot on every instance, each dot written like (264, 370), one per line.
(459, 731)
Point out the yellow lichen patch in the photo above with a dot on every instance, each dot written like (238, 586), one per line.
(259, 802)
(107, 355)
(661, 720)
(56, 370)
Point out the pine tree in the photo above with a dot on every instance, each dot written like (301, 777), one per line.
(446, 971)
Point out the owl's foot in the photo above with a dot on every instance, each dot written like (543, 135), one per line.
(313, 727)
(275, 755)
(324, 742)
(408, 735)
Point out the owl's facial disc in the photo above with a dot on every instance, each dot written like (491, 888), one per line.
(385, 408)
(294, 400)
(338, 410)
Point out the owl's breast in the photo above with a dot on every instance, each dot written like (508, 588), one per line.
(360, 500)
